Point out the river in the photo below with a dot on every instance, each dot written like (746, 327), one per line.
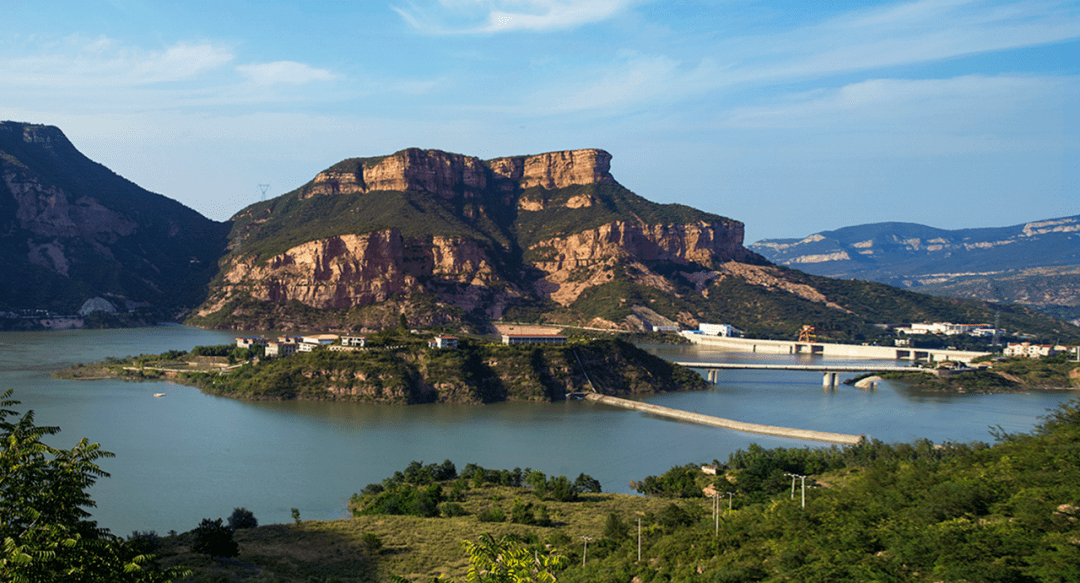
(189, 456)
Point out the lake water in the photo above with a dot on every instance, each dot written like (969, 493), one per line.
(189, 456)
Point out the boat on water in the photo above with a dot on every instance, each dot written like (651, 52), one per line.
(159, 394)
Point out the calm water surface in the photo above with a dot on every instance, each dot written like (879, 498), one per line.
(190, 456)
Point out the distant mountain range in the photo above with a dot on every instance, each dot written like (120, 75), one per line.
(1035, 263)
(425, 237)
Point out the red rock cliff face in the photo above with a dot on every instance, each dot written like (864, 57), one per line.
(448, 175)
(582, 260)
(355, 270)
(362, 269)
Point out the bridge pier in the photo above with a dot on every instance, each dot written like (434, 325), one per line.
(828, 380)
(713, 376)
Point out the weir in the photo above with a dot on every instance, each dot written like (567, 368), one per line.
(804, 434)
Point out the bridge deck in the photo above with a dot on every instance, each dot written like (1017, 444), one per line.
(812, 367)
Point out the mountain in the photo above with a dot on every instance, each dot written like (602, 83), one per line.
(72, 230)
(437, 238)
(1034, 263)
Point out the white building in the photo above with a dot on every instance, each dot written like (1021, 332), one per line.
(443, 342)
(281, 348)
(1029, 350)
(726, 330)
(354, 340)
(533, 339)
(250, 341)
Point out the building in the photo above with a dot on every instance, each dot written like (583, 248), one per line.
(250, 341)
(443, 342)
(726, 330)
(533, 339)
(945, 328)
(281, 348)
(320, 339)
(360, 341)
(1029, 350)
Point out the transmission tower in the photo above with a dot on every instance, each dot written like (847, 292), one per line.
(264, 188)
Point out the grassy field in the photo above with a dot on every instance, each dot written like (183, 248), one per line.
(412, 547)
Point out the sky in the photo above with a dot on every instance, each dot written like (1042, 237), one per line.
(792, 117)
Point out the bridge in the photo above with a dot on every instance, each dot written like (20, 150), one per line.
(758, 346)
(830, 371)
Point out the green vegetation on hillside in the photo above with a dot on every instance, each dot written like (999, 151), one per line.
(401, 369)
(1004, 375)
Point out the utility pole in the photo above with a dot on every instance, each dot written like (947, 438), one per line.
(803, 478)
(586, 553)
(730, 496)
(639, 539)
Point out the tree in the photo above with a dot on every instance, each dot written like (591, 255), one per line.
(506, 561)
(242, 518)
(586, 483)
(45, 530)
(215, 539)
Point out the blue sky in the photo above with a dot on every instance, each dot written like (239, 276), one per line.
(791, 117)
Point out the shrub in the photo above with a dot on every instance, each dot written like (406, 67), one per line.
(215, 539)
(371, 541)
(242, 518)
(491, 515)
(522, 512)
(145, 542)
(452, 509)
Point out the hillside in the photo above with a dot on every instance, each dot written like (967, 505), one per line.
(72, 230)
(407, 372)
(1032, 263)
(448, 239)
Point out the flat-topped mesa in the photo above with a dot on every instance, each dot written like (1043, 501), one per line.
(447, 175)
(555, 169)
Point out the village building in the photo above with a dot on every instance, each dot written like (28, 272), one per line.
(250, 341)
(281, 348)
(726, 330)
(360, 341)
(533, 339)
(443, 342)
(1029, 350)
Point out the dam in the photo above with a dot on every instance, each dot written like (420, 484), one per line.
(758, 346)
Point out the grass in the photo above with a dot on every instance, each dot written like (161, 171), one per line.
(415, 548)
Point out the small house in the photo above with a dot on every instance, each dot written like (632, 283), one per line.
(443, 342)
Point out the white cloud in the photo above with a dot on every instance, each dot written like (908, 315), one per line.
(284, 72)
(487, 16)
(79, 63)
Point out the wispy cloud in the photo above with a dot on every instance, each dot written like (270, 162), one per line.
(915, 32)
(285, 72)
(492, 16)
(78, 62)
(862, 40)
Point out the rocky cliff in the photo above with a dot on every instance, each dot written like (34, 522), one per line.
(71, 230)
(446, 239)
(476, 237)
